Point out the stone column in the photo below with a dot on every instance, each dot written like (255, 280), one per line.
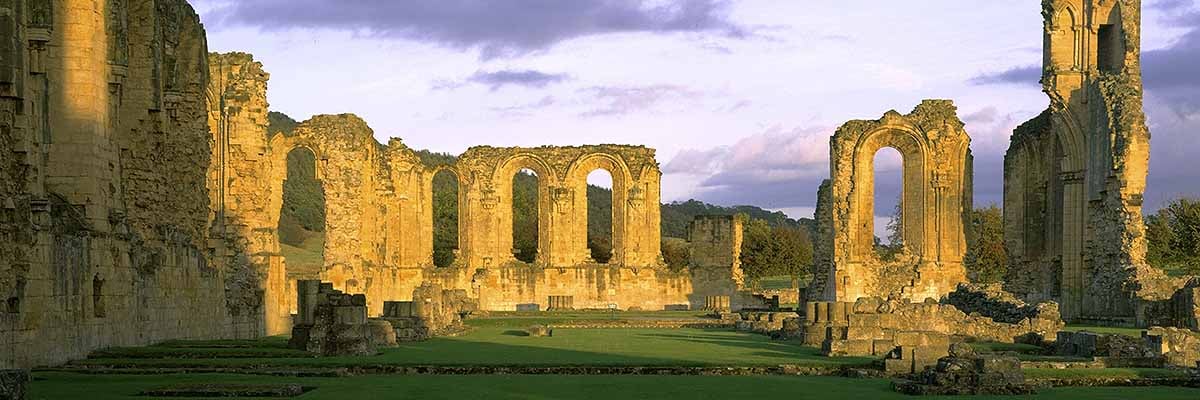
(1072, 244)
(307, 293)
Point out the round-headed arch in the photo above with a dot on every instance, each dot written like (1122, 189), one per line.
(911, 144)
(615, 165)
(509, 166)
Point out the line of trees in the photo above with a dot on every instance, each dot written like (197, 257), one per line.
(1173, 237)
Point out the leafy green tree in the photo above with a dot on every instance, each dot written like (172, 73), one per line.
(676, 253)
(775, 251)
(599, 223)
(525, 216)
(986, 261)
(758, 253)
(1173, 237)
(445, 218)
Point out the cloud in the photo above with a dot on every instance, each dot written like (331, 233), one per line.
(1171, 72)
(774, 169)
(1029, 74)
(1172, 106)
(620, 100)
(526, 78)
(527, 109)
(497, 28)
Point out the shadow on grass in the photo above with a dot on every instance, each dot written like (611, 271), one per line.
(761, 346)
(511, 347)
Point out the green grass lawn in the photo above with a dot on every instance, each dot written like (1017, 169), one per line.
(1103, 373)
(306, 260)
(506, 345)
(105, 387)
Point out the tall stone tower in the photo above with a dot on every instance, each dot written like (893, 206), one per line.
(1074, 176)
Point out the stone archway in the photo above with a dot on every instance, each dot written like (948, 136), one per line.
(577, 181)
(503, 182)
(936, 190)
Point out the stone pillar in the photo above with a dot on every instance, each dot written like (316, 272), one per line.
(1072, 246)
(277, 314)
(306, 301)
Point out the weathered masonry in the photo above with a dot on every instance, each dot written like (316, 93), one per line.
(1074, 176)
(106, 230)
(379, 213)
(936, 189)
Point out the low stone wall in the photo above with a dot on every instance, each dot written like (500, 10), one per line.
(1180, 347)
(1089, 344)
(869, 319)
(993, 302)
(764, 322)
(434, 311)
(908, 352)
(963, 372)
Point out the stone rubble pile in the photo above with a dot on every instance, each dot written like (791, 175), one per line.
(332, 323)
(993, 302)
(963, 372)
(432, 312)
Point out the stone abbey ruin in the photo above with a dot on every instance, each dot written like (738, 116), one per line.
(140, 199)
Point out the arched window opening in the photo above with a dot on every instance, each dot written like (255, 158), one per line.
(889, 203)
(302, 217)
(1110, 52)
(600, 215)
(445, 218)
(525, 215)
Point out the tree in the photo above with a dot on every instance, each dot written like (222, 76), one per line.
(986, 261)
(895, 228)
(525, 216)
(1173, 237)
(676, 253)
(445, 218)
(773, 251)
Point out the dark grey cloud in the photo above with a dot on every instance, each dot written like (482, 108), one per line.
(1171, 72)
(1029, 74)
(496, 28)
(525, 78)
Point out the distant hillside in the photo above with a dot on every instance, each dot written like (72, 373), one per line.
(677, 215)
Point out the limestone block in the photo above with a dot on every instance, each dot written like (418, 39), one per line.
(865, 320)
(350, 315)
(539, 331)
(835, 348)
(882, 347)
(864, 332)
(383, 334)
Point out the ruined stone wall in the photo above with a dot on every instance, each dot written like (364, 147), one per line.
(1074, 176)
(936, 190)
(486, 177)
(245, 218)
(104, 154)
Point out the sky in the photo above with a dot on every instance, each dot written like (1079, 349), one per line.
(738, 97)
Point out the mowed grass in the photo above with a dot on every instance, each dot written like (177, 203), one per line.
(507, 345)
(105, 387)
